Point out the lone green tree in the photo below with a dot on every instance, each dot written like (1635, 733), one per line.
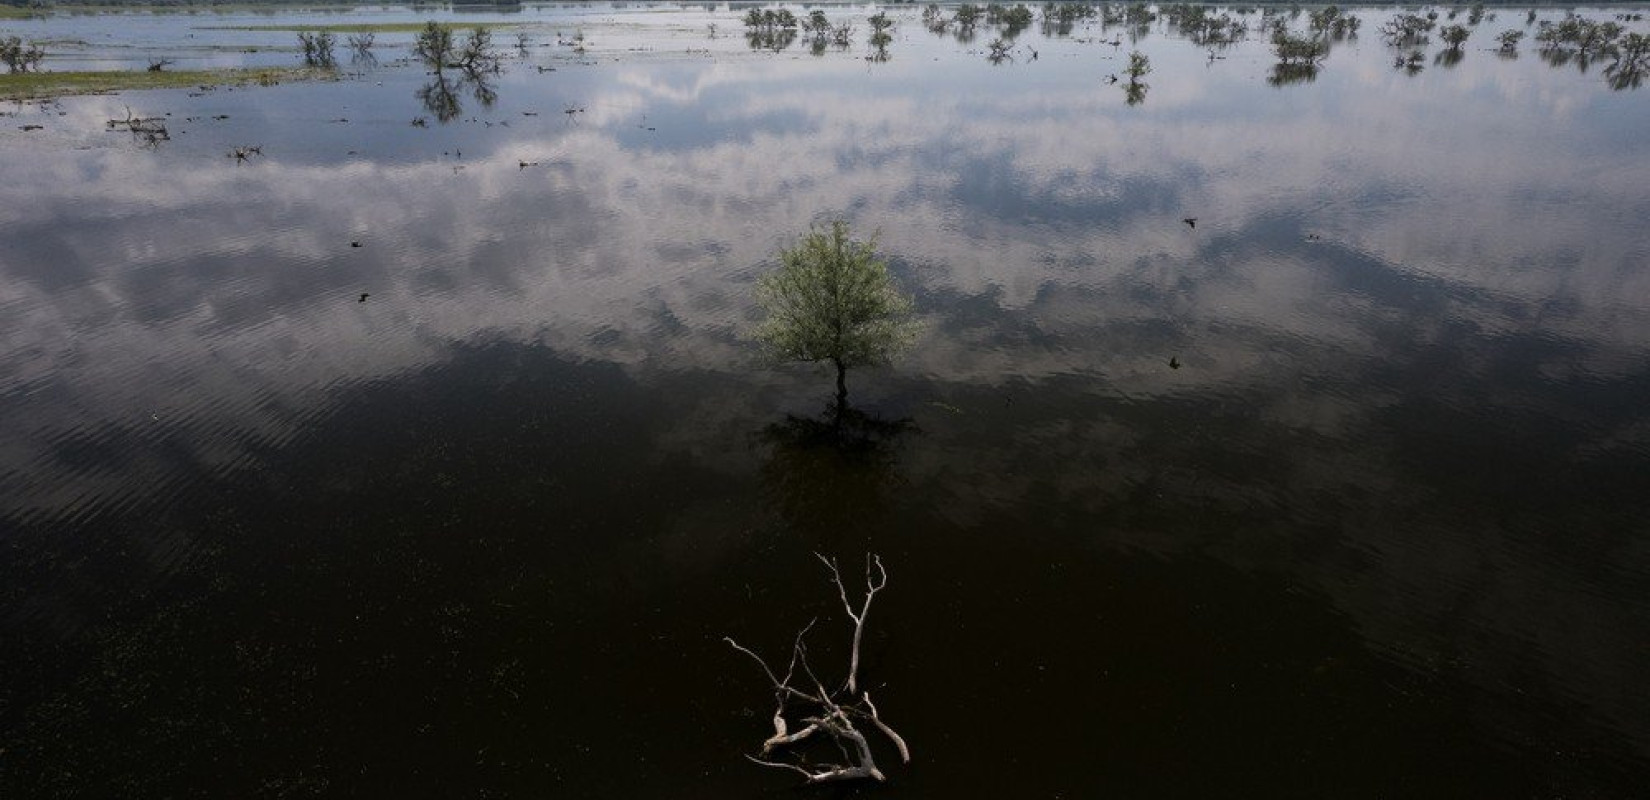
(434, 44)
(19, 57)
(437, 48)
(831, 299)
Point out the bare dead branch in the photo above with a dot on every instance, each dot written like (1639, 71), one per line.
(842, 729)
(741, 648)
(151, 130)
(872, 586)
(898, 740)
(798, 650)
(782, 765)
(845, 774)
(834, 718)
(781, 738)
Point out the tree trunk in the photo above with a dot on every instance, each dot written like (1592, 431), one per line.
(841, 383)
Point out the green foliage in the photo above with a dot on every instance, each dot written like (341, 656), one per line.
(1509, 40)
(1330, 21)
(26, 85)
(1632, 61)
(769, 20)
(1634, 48)
(1454, 36)
(1134, 92)
(19, 57)
(1012, 19)
(1203, 28)
(1139, 14)
(880, 25)
(831, 299)
(1058, 18)
(841, 34)
(1286, 74)
(1322, 19)
(1577, 36)
(934, 19)
(477, 55)
(1139, 65)
(339, 28)
(1294, 50)
(317, 48)
(1412, 63)
(1406, 30)
(434, 45)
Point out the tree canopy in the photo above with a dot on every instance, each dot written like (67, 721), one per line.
(831, 299)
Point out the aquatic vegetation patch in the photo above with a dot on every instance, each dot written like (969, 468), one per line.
(34, 85)
(351, 27)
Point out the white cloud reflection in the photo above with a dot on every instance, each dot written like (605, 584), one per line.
(179, 261)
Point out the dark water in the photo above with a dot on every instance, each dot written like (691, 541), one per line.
(1383, 533)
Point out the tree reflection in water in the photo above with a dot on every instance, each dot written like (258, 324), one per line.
(441, 95)
(1286, 74)
(833, 471)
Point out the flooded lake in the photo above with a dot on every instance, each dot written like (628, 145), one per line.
(1267, 433)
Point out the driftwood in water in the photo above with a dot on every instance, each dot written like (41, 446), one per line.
(150, 129)
(823, 711)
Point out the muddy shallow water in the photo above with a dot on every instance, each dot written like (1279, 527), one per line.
(466, 509)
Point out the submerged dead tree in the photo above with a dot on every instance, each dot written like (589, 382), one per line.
(821, 710)
(149, 130)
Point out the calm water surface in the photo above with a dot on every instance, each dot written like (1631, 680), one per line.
(1383, 532)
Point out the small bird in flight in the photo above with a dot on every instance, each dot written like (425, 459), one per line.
(1174, 362)
(1192, 221)
(364, 297)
